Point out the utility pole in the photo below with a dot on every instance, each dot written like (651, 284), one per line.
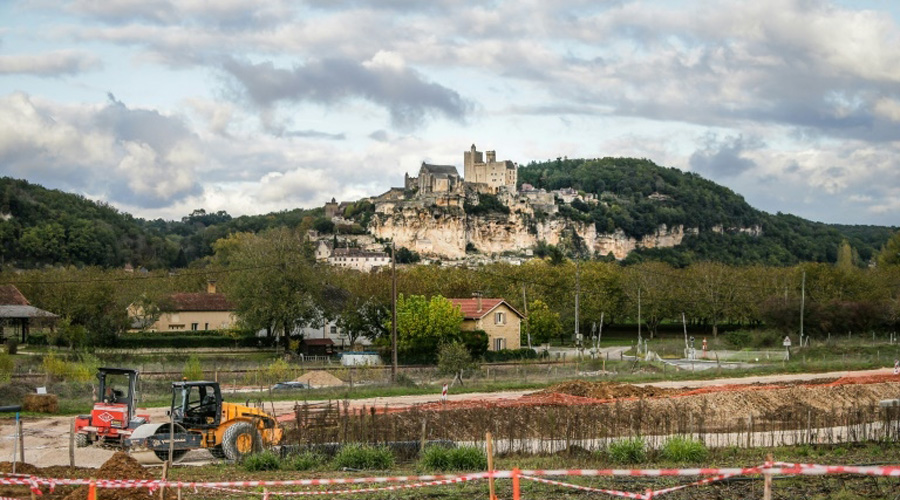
(639, 319)
(802, 302)
(393, 313)
(525, 306)
(577, 291)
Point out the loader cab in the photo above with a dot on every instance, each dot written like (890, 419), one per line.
(197, 405)
(117, 386)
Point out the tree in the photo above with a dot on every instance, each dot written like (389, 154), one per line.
(846, 257)
(273, 283)
(424, 324)
(543, 324)
(454, 358)
(890, 252)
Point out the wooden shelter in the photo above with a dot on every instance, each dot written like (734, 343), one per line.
(17, 315)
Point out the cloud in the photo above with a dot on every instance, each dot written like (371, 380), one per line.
(49, 64)
(119, 153)
(722, 158)
(404, 92)
(234, 14)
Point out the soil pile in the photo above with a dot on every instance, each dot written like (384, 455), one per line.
(121, 466)
(319, 378)
(606, 390)
(21, 468)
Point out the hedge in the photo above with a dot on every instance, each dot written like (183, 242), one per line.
(510, 355)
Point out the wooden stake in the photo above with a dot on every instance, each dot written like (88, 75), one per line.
(72, 443)
(165, 474)
(767, 486)
(424, 439)
(21, 442)
(490, 458)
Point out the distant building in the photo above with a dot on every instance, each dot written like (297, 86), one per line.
(356, 258)
(501, 322)
(324, 250)
(331, 209)
(435, 179)
(490, 172)
(191, 311)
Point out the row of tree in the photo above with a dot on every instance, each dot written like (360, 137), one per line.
(276, 286)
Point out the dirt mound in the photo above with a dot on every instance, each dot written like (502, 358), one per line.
(319, 379)
(21, 468)
(606, 390)
(121, 466)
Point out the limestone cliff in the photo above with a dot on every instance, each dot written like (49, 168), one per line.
(446, 233)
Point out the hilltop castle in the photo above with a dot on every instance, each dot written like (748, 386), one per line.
(494, 174)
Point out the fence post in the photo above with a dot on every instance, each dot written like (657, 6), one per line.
(515, 484)
(490, 458)
(92, 490)
(72, 443)
(767, 486)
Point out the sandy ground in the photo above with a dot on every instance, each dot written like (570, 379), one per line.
(47, 439)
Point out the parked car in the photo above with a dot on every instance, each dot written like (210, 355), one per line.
(290, 385)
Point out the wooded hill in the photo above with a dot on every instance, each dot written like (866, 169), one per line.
(638, 196)
(40, 226)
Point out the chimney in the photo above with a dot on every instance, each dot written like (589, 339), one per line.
(211, 286)
(478, 299)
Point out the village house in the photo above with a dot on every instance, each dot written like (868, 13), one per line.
(359, 259)
(501, 322)
(190, 312)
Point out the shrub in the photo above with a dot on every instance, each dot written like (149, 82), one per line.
(12, 345)
(302, 461)
(192, 369)
(356, 456)
(7, 366)
(278, 371)
(738, 338)
(628, 451)
(510, 354)
(266, 460)
(684, 449)
(453, 357)
(464, 458)
(56, 367)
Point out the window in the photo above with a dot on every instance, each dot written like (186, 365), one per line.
(194, 326)
(333, 329)
(499, 344)
(176, 327)
(499, 318)
(206, 326)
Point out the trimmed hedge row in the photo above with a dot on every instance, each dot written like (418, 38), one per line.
(510, 355)
(161, 341)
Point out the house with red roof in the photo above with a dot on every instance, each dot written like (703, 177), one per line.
(501, 321)
(17, 315)
(190, 311)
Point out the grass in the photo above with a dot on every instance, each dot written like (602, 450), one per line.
(682, 449)
(363, 457)
(464, 458)
(800, 487)
(628, 451)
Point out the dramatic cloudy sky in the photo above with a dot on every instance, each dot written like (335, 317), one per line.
(163, 106)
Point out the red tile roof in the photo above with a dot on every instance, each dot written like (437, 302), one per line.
(11, 296)
(469, 307)
(200, 302)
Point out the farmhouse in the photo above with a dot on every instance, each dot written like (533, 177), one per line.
(501, 322)
(190, 311)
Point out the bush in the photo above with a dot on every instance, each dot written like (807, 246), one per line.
(356, 456)
(12, 345)
(266, 460)
(192, 369)
(465, 458)
(278, 371)
(684, 449)
(58, 368)
(453, 357)
(738, 338)
(628, 451)
(7, 366)
(510, 355)
(754, 338)
(302, 461)
(187, 340)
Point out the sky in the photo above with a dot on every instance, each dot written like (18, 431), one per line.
(162, 107)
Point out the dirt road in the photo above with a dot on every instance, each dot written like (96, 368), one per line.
(47, 439)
